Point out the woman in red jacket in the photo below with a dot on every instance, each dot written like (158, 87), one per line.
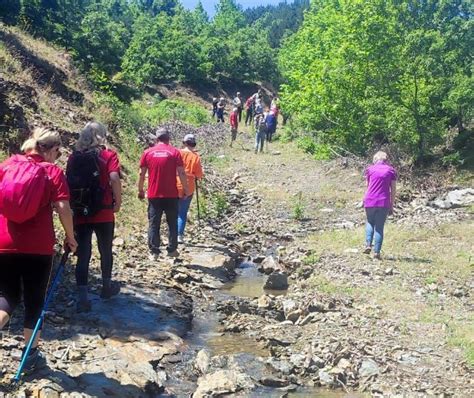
(92, 147)
(27, 248)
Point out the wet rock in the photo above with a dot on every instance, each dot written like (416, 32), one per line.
(325, 378)
(222, 382)
(269, 265)
(277, 281)
(264, 301)
(272, 381)
(202, 361)
(369, 368)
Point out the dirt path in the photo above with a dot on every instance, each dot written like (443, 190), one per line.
(410, 316)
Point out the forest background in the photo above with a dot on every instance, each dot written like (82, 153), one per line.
(353, 75)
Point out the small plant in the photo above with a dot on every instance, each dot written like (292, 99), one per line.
(310, 259)
(220, 204)
(307, 144)
(240, 227)
(298, 207)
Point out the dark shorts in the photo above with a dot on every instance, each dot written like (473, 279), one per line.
(27, 273)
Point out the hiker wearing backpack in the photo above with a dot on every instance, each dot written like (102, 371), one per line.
(260, 131)
(234, 125)
(237, 103)
(31, 186)
(193, 169)
(220, 110)
(249, 107)
(378, 201)
(271, 123)
(214, 106)
(93, 174)
(162, 163)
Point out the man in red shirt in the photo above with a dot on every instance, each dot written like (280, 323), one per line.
(162, 162)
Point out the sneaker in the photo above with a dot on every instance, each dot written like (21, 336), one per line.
(35, 360)
(367, 250)
(173, 253)
(83, 306)
(180, 239)
(112, 290)
(377, 256)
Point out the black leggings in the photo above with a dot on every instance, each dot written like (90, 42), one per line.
(33, 272)
(105, 235)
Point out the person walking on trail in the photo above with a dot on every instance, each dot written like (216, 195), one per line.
(271, 122)
(193, 170)
(26, 230)
(249, 108)
(214, 106)
(95, 169)
(234, 125)
(260, 131)
(220, 110)
(378, 200)
(162, 163)
(237, 103)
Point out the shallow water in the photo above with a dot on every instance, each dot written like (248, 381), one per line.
(249, 283)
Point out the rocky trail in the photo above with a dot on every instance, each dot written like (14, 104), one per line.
(272, 297)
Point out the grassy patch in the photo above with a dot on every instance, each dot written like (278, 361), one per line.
(324, 285)
(462, 336)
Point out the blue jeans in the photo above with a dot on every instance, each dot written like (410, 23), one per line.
(376, 217)
(259, 140)
(183, 207)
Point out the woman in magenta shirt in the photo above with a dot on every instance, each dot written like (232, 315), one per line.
(378, 200)
(27, 248)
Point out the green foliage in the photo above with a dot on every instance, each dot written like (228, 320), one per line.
(298, 207)
(310, 259)
(173, 110)
(364, 73)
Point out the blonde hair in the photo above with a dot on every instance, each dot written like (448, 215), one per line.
(91, 136)
(380, 156)
(42, 139)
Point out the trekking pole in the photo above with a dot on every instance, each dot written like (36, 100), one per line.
(197, 202)
(49, 296)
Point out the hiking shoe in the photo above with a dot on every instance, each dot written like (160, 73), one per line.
(377, 256)
(112, 290)
(367, 250)
(35, 360)
(173, 253)
(180, 239)
(83, 306)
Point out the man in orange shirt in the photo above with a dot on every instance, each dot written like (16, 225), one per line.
(193, 169)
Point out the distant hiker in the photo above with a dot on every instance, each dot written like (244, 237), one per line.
(260, 131)
(275, 106)
(249, 108)
(220, 110)
(93, 174)
(31, 185)
(234, 125)
(162, 162)
(214, 106)
(238, 103)
(193, 170)
(271, 122)
(379, 200)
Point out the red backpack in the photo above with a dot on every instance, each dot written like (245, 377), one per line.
(22, 189)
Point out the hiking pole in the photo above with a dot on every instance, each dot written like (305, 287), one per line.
(197, 202)
(49, 296)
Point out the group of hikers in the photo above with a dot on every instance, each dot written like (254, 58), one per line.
(264, 119)
(86, 197)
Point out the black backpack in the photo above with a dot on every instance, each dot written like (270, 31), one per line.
(83, 177)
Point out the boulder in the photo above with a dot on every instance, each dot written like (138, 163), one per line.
(222, 382)
(277, 281)
(269, 264)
